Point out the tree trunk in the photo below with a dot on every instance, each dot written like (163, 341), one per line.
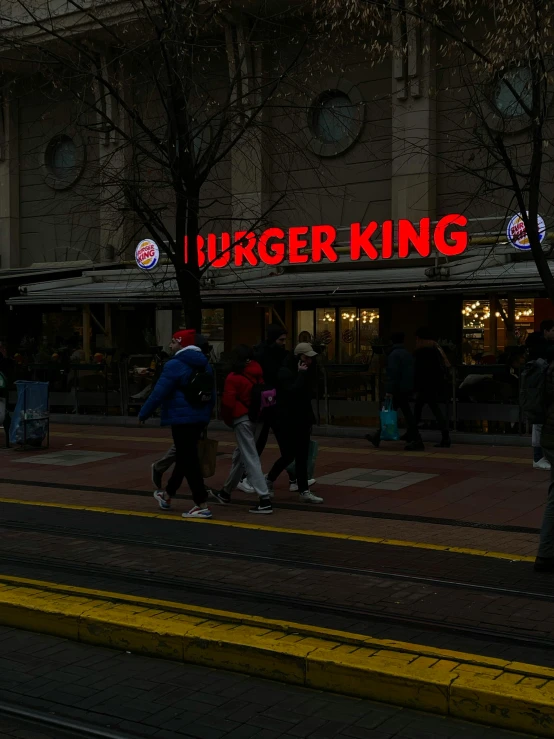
(188, 275)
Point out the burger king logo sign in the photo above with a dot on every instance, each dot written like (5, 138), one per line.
(147, 254)
(517, 233)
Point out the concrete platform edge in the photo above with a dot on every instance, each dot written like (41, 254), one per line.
(340, 432)
(508, 695)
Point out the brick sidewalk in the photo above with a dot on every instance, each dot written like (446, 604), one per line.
(495, 486)
(155, 698)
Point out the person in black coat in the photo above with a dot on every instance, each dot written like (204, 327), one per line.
(270, 355)
(294, 418)
(430, 381)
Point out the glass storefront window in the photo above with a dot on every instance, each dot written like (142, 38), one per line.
(304, 322)
(368, 328)
(348, 329)
(476, 327)
(213, 322)
(325, 331)
(352, 342)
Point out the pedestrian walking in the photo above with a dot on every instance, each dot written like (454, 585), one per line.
(161, 466)
(538, 344)
(239, 410)
(545, 556)
(399, 387)
(294, 418)
(430, 381)
(185, 392)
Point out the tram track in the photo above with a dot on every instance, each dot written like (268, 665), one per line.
(312, 605)
(154, 580)
(209, 550)
(31, 719)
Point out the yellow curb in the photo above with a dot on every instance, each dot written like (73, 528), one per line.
(277, 529)
(508, 695)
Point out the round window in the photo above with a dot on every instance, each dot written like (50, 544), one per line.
(334, 117)
(508, 101)
(336, 121)
(63, 161)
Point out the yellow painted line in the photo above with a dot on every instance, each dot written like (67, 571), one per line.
(276, 529)
(342, 450)
(497, 692)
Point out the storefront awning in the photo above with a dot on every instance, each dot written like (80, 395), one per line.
(129, 286)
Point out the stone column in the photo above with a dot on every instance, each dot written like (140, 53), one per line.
(248, 159)
(9, 183)
(413, 121)
(112, 160)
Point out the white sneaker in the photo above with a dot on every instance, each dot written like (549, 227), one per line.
(294, 485)
(197, 512)
(308, 497)
(245, 486)
(542, 464)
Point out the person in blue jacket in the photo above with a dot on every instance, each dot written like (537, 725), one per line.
(186, 396)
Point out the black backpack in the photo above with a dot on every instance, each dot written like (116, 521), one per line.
(532, 399)
(199, 389)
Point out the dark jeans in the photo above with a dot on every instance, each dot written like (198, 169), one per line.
(423, 399)
(187, 462)
(294, 445)
(401, 401)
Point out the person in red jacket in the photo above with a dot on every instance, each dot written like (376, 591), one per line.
(235, 407)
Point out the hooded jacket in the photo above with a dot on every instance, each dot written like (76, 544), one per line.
(237, 392)
(399, 375)
(168, 391)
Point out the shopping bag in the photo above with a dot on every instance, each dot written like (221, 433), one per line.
(312, 456)
(389, 422)
(207, 452)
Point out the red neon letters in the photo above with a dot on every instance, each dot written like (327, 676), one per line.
(302, 244)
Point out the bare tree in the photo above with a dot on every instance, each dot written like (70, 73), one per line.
(175, 95)
(492, 65)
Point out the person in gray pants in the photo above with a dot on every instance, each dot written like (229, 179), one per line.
(236, 410)
(162, 465)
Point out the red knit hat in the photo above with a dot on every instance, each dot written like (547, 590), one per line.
(185, 337)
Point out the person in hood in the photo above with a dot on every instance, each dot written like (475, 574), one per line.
(294, 418)
(188, 419)
(270, 355)
(161, 466)
(235, 411)
(430, 381)
(399, 386)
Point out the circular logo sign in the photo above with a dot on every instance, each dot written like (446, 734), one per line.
(517, 233)
(147, 254)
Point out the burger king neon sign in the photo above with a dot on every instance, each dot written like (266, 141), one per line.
(147, 255)
(303, 244)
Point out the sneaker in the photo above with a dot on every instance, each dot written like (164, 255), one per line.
(308, 497)
(197, 512)
(294, 485)
(264, 506)
(157, 477)
(164, 504)
(245, 486)
(415, 446)
(221, 496)
(542, 464)
(269, 486)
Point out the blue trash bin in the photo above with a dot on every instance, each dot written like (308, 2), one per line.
(30, 419)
